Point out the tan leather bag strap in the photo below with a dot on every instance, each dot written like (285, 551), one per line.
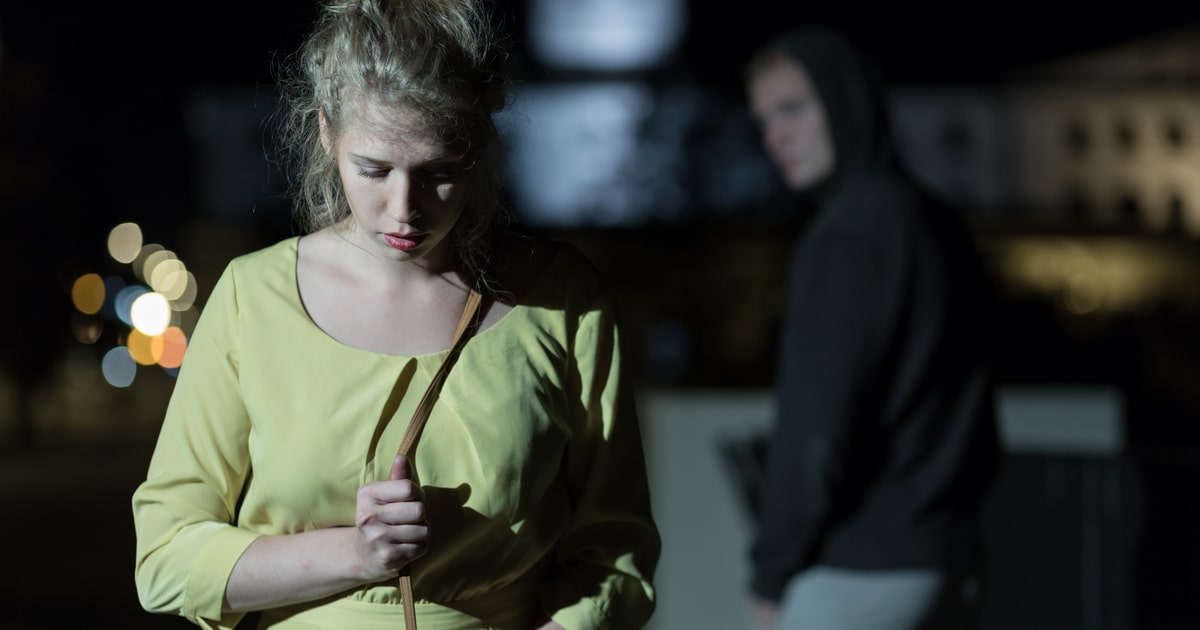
(409, 442)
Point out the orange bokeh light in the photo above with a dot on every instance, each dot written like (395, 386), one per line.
(140, 347)
(87, 293)
(169, 347)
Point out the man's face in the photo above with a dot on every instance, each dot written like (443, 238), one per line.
(795, 131)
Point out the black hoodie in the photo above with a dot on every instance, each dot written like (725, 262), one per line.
(885, 439)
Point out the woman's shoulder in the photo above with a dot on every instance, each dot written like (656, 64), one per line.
(272, 264)
(281, 253)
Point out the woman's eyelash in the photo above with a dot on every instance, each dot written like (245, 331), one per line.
(440, 174)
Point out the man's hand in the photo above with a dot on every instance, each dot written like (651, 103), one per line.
(766, 612)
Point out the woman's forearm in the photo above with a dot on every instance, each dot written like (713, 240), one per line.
(286, 569)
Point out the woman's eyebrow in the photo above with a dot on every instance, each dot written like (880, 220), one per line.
(359, 157)
(449, 158)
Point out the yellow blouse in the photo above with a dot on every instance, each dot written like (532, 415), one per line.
(531, 462)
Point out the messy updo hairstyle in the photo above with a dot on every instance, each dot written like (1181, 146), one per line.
(444, 59)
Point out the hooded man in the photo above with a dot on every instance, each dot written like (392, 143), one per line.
(885, 440)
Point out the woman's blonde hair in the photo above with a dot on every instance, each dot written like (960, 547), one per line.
(442, 58)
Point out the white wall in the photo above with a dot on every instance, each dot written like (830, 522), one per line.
(703, 570)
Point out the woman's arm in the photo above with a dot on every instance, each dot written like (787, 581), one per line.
(183, 511)
(192, 560)
(390, 531)
(608, 553)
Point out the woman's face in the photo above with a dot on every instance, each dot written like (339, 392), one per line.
(795, 131)
(405, 187)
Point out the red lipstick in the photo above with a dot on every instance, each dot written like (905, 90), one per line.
(403, 242)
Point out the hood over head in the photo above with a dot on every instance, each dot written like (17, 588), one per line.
(851, 91)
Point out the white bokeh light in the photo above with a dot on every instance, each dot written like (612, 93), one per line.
(124, 242)
(150, 313)
(124, 299)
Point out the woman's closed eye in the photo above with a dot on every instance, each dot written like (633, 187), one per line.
(432, 175)
(373, 173)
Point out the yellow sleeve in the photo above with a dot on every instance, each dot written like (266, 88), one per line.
(609, 552)
(185, 509)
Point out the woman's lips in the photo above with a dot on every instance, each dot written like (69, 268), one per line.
(403, 242)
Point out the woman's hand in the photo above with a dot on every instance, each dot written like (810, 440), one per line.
(390, 531)
(390, 519)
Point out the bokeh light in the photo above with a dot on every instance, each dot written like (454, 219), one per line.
(158, 308)
(112, 286)
(153, 261)
(87, 293)
(140, 349)
(123, 302)
(85, 328)
(118, 367)
(187, 294)
(138, 264)
(150, 313)
(124, 242)
(169, 347)
(169, 278)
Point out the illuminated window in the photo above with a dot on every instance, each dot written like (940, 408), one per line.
(573, 146)
(606, 35)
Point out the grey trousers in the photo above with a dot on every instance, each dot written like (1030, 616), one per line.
(832, 598)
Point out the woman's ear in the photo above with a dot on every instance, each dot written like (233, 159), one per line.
(324, 126)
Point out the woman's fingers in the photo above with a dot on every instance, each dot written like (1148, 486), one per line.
(401, 468)
(391, 519)
(383, 492)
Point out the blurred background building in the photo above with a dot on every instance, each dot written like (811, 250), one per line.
(135, 161)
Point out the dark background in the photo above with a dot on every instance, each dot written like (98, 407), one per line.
(95, 101)
(93, 131)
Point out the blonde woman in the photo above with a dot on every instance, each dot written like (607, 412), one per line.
(276, 488)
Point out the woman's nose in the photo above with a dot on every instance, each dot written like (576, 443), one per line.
(401, 204)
